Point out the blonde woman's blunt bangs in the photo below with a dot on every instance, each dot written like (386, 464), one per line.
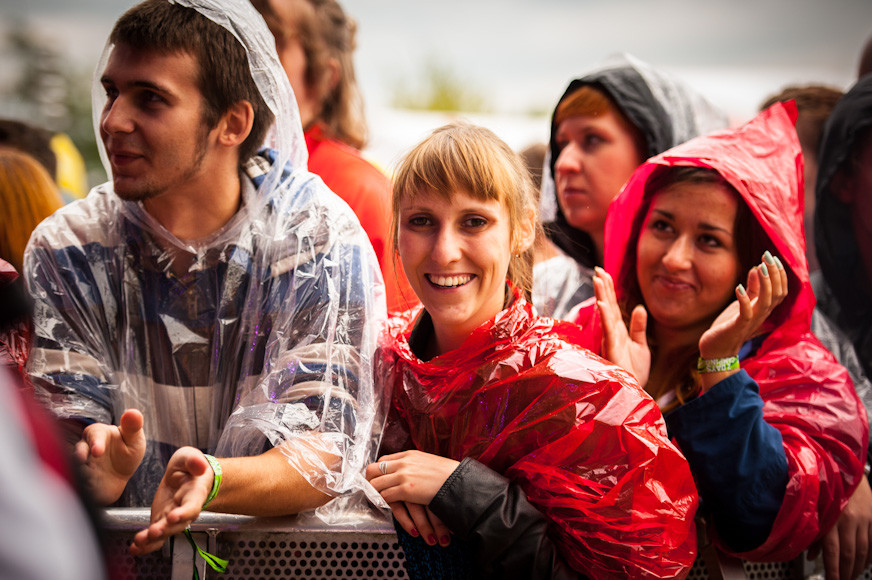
(464, 157)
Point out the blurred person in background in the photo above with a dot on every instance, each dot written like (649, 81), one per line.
(814, 103)
(315, 40)
(605, 124)
(843, 219)
(28, 195)
(56, 530)
(55, 151)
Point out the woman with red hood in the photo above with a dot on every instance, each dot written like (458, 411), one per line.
(769, 422)
(519, 453)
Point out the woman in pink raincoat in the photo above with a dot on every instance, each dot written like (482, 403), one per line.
(510, 452)
(769, 421)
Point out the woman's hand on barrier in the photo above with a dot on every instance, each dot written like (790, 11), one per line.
(418, 520)
(408, 481)
(627, 348)
(846, 547)
(178, 501)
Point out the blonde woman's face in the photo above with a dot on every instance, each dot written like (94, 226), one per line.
(455, 251)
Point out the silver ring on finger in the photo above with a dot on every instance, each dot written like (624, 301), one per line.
(383, 467)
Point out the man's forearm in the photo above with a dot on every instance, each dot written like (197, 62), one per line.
(267, 485)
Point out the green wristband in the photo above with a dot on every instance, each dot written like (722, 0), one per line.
(216, 483)
(717, 365)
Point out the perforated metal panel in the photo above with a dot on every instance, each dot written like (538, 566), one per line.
(313, 556)
(277, 548)
(753, 571)
(262, 549)
(127, 567)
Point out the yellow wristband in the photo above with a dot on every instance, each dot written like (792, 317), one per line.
(717, 365)
(216, 483)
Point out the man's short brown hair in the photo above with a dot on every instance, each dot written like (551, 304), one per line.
(224, 77)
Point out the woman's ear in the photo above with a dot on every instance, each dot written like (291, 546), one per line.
(236, 123)
(525, 235)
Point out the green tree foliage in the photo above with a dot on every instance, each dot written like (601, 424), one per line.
(46, 90)
(438, 89)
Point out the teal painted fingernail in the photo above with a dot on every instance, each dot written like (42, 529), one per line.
(740, 289)
(778, 262)
(768, 257)
(764, 270)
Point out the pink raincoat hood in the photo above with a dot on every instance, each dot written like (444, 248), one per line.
(752, 159)
(806, 394)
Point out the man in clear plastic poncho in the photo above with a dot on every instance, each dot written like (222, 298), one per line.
(208, 299)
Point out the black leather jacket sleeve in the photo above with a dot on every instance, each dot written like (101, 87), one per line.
(506, 534)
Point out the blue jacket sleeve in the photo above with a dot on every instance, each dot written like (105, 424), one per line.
(737, 459)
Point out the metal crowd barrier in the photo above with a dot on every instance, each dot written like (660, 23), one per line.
(287, 547)
(258, 548)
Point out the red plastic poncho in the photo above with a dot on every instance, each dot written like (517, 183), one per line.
(807, 395)
(586, 444)
(367, 191)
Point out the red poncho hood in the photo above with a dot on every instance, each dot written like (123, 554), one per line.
(807, 395)
(762, 160)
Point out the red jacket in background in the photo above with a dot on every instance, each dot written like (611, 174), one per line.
(585, 443)
(368, 191)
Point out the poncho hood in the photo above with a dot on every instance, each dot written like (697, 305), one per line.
(762, 160)
(835, 240)
(666, 112)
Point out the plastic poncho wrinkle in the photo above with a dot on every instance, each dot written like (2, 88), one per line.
(585, 443)
(807, 396)
(258, 335)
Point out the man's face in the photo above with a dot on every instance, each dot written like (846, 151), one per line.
(152, 123)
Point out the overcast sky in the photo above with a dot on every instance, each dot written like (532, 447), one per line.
(520, 54)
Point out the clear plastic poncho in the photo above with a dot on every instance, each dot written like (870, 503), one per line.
(260, 335)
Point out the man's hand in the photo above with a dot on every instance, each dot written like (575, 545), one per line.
(845, 547)
(110, 455)
(179, 499)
